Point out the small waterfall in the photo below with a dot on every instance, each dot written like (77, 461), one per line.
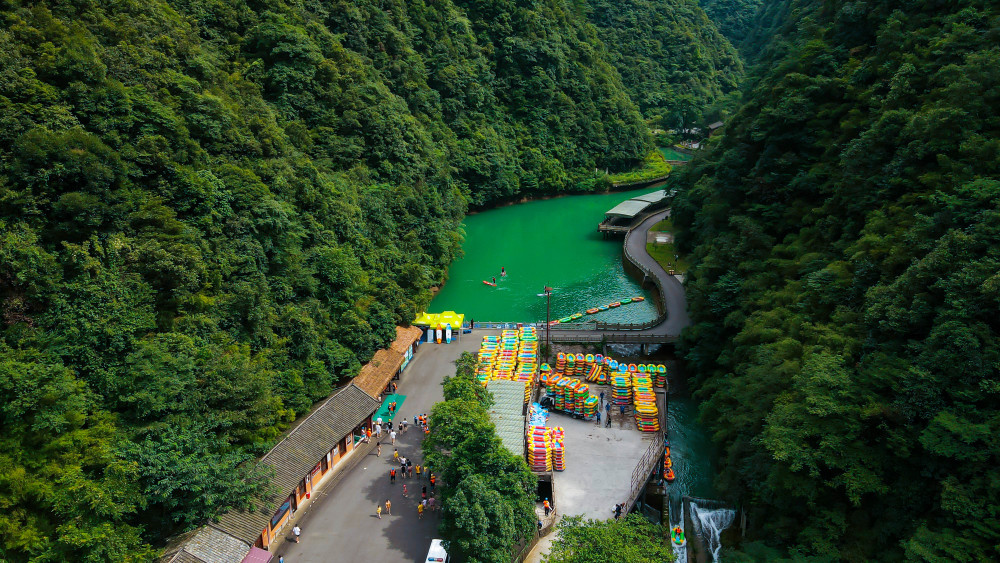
(712, 521)
(632, 350)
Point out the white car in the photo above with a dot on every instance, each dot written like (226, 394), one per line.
(437, 553)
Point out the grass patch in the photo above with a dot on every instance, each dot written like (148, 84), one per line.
(653, 166)
(664, 253)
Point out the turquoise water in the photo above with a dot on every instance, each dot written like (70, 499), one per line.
(552, 243)
(673, 154)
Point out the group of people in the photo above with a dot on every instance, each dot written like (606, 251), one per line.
(606, 406)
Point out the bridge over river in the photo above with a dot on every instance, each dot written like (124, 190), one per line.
(664, 328)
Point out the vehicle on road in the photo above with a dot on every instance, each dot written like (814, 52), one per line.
(437, 553)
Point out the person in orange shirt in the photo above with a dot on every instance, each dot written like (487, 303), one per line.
(547, 506)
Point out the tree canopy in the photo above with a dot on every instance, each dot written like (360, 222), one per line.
(844, 243)
(631, 538)
(212, 213)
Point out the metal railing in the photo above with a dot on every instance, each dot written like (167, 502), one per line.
(653, 455)
(613, 337)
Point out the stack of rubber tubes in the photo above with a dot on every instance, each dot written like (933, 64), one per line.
(486, 358)
(590, 407)
(559, 393)
(661, 375)
(582, 391)
(621, 388)
(646, 414)
(581, 365)
(570, 365)
(558, 449)
(539, 451)
(561, 362)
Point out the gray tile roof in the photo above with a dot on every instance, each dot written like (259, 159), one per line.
(506, 413)
(296, 455)
(206, 545)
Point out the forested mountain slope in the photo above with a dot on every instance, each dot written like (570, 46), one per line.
(734, 18)
(845, 238)
(671, 57)
(212, 212)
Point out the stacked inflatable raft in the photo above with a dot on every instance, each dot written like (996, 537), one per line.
(546, 449)
(647, 417)
(513, 355)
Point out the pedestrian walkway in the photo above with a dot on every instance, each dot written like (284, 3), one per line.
(342, 524)
(383, 411)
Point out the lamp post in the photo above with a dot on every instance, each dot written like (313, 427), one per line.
(548, 314)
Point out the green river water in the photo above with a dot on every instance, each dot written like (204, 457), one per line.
(555, 242)
(552, 243)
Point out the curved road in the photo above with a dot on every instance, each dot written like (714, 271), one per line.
(674, 298)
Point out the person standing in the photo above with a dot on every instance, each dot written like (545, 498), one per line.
(420, 511)
(547, 507)
(392, 436)
(392, 476)
(409, 468)
(433, 480)
(598, 418)
(430, 504)
(379, 449)
(388, 507)
(418, 471)
(297, 531)
(601, 405)
(607, 423)
(368, 434)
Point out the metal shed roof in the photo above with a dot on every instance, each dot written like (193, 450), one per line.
(652, 197)
(629, 209)
(507, 413)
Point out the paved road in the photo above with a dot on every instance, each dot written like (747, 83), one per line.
(674, 298)
(342, 526)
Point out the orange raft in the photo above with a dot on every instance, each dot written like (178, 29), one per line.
(592, 311)
(669, 475)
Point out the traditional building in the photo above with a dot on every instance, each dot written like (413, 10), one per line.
(308, 454)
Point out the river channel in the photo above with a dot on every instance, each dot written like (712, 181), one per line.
(553, 243)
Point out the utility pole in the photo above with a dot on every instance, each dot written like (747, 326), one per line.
(548, 319)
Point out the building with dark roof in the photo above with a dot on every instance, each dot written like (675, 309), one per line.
(310, 450)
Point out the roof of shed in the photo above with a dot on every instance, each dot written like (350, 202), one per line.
(507, 413)
(629, 209)
(296, 455)
(376, 374)
(652, 197)
(405, 337)
(206, 545)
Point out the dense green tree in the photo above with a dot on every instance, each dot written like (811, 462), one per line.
(844, 242)
(672, 59)
(212, 213)
(631, 538)
(488, 502)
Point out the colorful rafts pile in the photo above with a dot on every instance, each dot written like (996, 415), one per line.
(644, 404)
(546, 448)
(631, 385)
(595, 310)
(513, 355)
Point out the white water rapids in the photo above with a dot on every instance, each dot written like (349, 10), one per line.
(713, 521)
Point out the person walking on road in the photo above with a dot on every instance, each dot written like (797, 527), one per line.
(430, 504)
(598, 418)
(395, 454)
(409, 468)
(607, 423)
(433, 480)
(420, 511)
(404, 490)
(297, 531)
(601, 405)
(392, 436)
(378, 510)
(418, 471)
(388, 507)
(392, 476)
(547, 507)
